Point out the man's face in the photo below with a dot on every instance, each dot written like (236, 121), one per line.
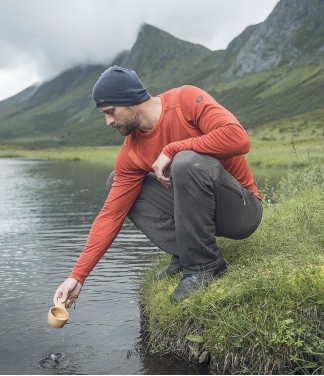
(124, 119)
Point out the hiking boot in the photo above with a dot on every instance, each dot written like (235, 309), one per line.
(173, 268)
(193, 282)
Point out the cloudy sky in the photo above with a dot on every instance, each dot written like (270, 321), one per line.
(41, 38)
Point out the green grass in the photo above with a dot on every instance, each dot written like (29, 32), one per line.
(291, 143)
(97, 154)
(265, 315)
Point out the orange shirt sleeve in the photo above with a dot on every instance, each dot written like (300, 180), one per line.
(222, 135)
(125, 189)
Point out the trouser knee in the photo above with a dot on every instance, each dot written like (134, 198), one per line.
(110, 181)
(188, 164)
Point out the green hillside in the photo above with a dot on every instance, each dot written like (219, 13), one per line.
(60, 113)
(271, 72)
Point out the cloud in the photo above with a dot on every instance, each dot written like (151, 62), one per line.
(43, 38)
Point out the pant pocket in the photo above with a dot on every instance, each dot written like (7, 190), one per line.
(240, 193)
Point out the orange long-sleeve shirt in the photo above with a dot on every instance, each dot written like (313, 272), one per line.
(190, 120)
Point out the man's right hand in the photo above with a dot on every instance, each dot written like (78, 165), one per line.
(69, 286)
(161, 168)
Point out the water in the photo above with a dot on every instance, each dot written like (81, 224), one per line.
(46, 211)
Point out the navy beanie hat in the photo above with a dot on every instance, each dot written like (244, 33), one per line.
(119, 87)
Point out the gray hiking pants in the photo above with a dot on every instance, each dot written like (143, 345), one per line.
(204, 201)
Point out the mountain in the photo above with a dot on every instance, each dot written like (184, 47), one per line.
(271, 71)
(293, 34)
(154, 49)
(62, 112)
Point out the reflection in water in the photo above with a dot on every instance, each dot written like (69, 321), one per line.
(46, 211)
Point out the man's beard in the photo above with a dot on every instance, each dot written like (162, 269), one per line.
(130, 123)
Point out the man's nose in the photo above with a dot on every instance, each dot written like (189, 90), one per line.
(109, 120)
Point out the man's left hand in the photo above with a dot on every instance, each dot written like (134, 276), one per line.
(161, 168)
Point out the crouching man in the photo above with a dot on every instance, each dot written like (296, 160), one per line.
(181, 177)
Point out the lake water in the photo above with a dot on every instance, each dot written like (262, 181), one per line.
(46, 211)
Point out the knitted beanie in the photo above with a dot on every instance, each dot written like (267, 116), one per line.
(119, 87)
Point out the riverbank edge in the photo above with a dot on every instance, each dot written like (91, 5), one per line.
(97, 154)
(265, 315)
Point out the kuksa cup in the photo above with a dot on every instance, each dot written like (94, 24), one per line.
(58, 316)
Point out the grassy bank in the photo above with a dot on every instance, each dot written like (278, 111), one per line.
(265, 315)
(290, 143)
(98, 154)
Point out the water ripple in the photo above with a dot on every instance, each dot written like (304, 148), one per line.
(46, 212)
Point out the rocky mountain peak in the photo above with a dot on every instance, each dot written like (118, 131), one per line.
(292, 33)
(154, 48)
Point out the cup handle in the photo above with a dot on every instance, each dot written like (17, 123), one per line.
(60, 304)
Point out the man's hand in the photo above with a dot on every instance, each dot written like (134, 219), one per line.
(161, 168)
(69, 286)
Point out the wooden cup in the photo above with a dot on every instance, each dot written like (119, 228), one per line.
(58, 316)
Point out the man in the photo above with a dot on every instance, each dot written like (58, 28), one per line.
(181, 177)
